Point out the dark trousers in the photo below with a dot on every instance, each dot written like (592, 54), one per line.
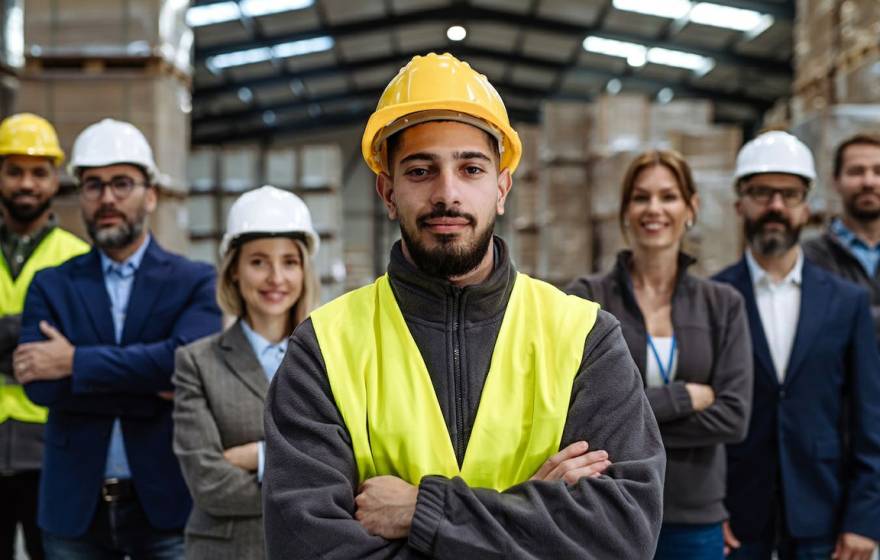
(679, 541)
(18, 494)
(776, 537)
(119, 530)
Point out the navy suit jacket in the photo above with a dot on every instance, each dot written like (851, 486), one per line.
(818, 432)
(172, 303)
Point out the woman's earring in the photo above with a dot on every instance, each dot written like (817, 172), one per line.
(689, 224)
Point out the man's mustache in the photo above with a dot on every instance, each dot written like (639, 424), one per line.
(422, 221)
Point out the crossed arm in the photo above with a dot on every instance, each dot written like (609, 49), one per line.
(311, 477)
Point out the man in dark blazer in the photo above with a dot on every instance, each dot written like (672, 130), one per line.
(97, 348)
(806, 481)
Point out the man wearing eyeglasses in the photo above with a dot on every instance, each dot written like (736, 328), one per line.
(806, 481)
(97, 348)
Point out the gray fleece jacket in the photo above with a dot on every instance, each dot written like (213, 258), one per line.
(311, 477)
(712, 332)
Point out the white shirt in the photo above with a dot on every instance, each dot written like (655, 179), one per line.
(779, 304)
(663, 344)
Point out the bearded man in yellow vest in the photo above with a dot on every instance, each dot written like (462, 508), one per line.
(30, 240)
(456, 408)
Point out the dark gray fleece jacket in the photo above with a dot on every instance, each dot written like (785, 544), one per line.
(311, 476)
(714, 348)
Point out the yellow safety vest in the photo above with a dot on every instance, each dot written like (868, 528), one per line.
(57, 247)
(384, 392)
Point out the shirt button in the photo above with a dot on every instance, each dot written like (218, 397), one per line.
(19, 258)
(26, 239)
(781, 394)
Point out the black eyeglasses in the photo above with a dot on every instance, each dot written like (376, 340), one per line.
(121, 187)
(764, 195)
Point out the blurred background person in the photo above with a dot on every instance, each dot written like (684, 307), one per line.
(267, 281)
(851, 246)
(30, 240)
(688, 337)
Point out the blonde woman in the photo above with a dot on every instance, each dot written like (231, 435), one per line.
(265, 280)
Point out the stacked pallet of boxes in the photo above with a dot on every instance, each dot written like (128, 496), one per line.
(629, 124)
(219, 175)
(567, 216)
(124, 59)
(837, 82)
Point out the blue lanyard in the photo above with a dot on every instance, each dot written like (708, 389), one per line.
(666, 372)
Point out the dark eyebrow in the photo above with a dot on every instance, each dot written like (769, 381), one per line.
(471, 155)
(419, 156)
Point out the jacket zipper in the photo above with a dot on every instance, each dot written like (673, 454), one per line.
(456, 369)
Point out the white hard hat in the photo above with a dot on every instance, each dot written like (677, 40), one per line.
(271, 211)
(112, 142)
(775, 152)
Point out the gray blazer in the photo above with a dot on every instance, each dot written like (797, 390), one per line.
(220, 389)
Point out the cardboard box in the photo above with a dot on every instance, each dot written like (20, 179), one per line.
(109, 28)
(239, 168)
(157, 105)
(621, 123)
(609, 240)
(606, 183)
(524, 200)
(321, 166)
(566, 251)
(713, 148)
(685, 115)
(859, 82)
(564, 195)
(823, 132)
(567, 130)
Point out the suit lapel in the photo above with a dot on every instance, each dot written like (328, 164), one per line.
(90, 286)
(150, 279)
(241, 360)
(815, 298)
(742, 281)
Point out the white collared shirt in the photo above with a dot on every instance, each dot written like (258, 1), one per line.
(779, 304)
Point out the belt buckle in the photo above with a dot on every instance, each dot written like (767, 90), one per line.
(106, 494)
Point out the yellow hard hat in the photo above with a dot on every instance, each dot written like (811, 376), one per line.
(439, 87)
(27, 134)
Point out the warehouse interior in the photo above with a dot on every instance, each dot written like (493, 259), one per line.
(234, 94)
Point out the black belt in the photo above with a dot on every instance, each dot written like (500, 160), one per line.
(117, 490)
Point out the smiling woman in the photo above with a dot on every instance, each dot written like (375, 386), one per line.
(687, 336)
(266, 281)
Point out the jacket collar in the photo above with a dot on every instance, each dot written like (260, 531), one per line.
(623, 265)
(428, 298)
(242, 361)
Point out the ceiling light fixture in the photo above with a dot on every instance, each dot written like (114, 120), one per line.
(456, 33)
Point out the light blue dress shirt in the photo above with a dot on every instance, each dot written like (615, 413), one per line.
(868, 257)
(119, 279)
(269, 355)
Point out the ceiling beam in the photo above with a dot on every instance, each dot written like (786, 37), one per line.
(681, 88)
(480, 14)
(783, 10)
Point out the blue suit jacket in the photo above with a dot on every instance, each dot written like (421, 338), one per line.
(819, 430)
(172, 303)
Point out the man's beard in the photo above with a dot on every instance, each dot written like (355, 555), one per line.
(773, 243)
(863, 215)
(24, 213)
(449, 259)
(118, 236)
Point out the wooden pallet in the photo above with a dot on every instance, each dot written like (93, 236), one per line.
(856, 56)
(103, 66)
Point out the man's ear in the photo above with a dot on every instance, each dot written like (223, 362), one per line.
(385, 190)
(505, 183)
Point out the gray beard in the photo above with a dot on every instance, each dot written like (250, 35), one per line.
(119, 236)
